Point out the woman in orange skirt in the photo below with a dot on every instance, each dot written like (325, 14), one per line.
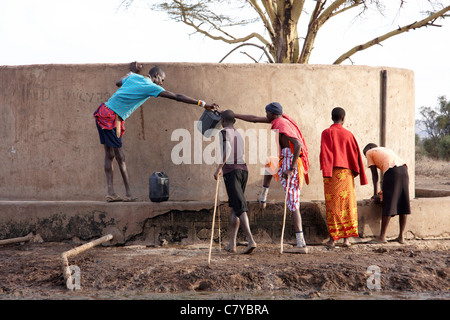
(340, 202)
(340, 162)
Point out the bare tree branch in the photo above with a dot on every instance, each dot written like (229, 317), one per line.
(313, 28)
(267, 23)
(428, 21)
(327, 13)
(230, 41)
(353, 5)
(269, 7)
(281, 20)
(246, 54)
(297, 10)
(248, 44)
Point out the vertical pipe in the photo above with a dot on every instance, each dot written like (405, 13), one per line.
(383, 108)
(383, 114)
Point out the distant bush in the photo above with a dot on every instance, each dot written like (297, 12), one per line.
(437, 125)
(430, 146)
(444, 148)
(429, 167)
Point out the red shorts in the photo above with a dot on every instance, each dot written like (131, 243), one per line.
(106, 119)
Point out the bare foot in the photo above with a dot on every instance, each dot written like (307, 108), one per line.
(230, 249)
(331, 243)
(400, 240)
(250, 248)
(347, 243)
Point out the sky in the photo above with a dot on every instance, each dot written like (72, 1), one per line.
(101, 31)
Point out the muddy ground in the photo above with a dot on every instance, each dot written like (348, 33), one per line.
(419, 269)
(416, 270)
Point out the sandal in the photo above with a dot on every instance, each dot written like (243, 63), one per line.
(376, 241)
(113, 198)
(130, 199)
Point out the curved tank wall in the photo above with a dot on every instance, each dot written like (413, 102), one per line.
(50, 148)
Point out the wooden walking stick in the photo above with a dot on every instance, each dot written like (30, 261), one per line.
(284, 215)
(218, 220)
(214, 218)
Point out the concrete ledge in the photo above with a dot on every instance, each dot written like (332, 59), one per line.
(431, 193)
(429, 219)
(147, 222)
(63, 220)
(189, 222)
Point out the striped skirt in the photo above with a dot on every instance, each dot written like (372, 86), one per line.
(295, 182)
(340, 203)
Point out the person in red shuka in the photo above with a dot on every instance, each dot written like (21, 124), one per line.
(290, 168)
(340, 162)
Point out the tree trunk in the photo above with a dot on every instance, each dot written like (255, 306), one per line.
(286, 44)
(285, 38)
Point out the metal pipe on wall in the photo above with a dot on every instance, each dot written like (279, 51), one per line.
(383, 108)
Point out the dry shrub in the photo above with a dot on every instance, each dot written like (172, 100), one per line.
(432, 168)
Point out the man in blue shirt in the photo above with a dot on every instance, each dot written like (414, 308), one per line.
(134, 90)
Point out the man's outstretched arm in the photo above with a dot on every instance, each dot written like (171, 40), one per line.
(251, 118)
(186, 99)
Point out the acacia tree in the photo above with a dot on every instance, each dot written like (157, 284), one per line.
(437, 126)
(281, 20)
(437, 120)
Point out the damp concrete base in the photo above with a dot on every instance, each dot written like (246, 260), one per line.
(190, 222)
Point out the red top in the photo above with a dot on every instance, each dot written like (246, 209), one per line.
(288, 127)
(339, 148)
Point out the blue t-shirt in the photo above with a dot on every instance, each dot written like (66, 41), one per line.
(135, 90)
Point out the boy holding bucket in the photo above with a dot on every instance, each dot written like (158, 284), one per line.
(235, 174)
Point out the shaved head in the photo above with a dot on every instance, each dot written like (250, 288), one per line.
(156, 70)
